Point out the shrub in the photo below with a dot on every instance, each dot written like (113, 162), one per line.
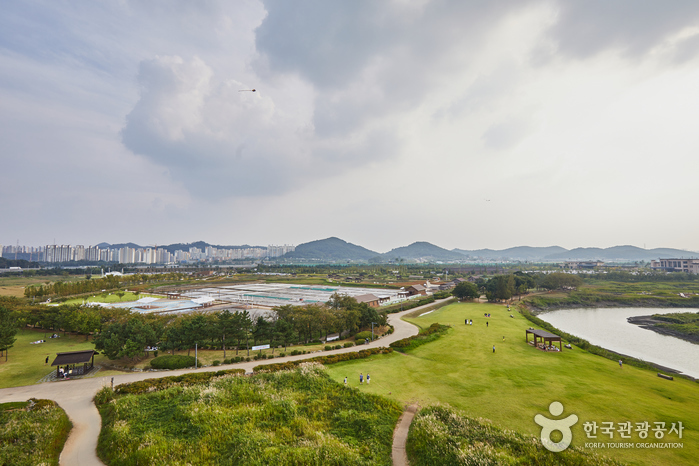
(328, 347)
(155, 354)
(295, 352)
(349, 344)
(331, 359)
(217, 362)
(226, 361)
(425, 336)
(338, 346)
(176, 361)
(363, 335)
(442, 294)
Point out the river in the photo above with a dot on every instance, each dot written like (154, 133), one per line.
(608, 328)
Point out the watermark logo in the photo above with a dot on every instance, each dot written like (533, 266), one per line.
(548, 426)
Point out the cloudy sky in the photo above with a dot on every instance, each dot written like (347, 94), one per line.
(468, 124)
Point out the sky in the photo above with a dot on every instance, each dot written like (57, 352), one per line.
(468, 124)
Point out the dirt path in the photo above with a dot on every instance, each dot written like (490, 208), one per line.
(75, 396)
(400, 436)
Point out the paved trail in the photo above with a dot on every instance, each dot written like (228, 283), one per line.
(400, 436)
(75, 396)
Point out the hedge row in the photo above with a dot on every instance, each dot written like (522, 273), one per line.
(151, 385)
(433, 332)
(324, 359)
(173, 361)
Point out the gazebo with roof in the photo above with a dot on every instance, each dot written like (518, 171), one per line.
(73, 359)
(544, 336)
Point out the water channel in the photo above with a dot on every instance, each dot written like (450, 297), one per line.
(608, 328)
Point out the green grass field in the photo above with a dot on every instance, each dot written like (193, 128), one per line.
(32, 432)
(518, 381)
(26, 362)
(109, 298)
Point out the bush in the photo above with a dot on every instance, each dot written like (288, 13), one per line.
(338, 346)
(328, 347)
(155, 354)
(226, 361)
(216, 362)
(349, 344)
(281, 355)
(430, 334)
(331, 359)
(442, 294)
(363, 336)
(295, 352)
(176, 361)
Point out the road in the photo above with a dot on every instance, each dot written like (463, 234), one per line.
(75, 396)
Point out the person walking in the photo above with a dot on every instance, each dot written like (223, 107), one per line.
(361, 379)
(486, 323)
(367, 378)
(345, 381)
(47, 360)
(493, 348)
(621, 364)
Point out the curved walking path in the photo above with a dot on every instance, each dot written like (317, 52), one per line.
(75, 396)
(400, 436)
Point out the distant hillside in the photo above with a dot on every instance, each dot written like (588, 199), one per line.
(422, 250)
(521, 253)
(331, 249)
(621, 253)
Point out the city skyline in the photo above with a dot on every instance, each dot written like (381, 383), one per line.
(464, 124)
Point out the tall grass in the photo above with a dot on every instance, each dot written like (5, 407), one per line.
(296, 417)
(32, 432)
(440, 435)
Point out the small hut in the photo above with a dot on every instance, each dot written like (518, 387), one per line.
(543, 336)
(75, 362)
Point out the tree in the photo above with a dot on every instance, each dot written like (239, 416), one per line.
(466, 290)
(8, 330)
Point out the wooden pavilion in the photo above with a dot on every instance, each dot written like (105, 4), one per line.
(71, 361)
(543, 336)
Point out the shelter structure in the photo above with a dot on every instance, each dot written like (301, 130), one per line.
(74, 362)
(546, 338)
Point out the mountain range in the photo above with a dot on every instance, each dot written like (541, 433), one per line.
(335, 249)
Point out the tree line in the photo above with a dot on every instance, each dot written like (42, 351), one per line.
(90, 285)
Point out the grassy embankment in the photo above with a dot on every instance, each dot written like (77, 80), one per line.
(291, 417)
(518, 381)
(32, 432)
(685, 324)
(26, 362)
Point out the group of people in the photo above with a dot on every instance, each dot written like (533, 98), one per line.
(361, 379)
(468, 321)
(37, 342)
(548, 347)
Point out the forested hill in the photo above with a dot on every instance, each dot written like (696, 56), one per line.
(331, 249)
(422, 250)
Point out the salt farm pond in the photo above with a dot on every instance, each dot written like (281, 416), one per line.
(609, 329)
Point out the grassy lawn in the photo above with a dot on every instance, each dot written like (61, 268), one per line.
(32, 432)
(14, 285)
(518, 381)
(26, 362)
(298, 417)
(109, 298)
